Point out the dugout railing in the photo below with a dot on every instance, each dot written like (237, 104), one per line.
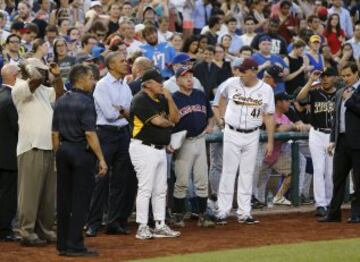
(292, 137)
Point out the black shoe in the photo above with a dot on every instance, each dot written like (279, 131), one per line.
(353, 220)
(117, 230)
(83, 253)
(320, 212)
(91, 232)
(329, 219)
(249, 220)
(256, 204)
(11, 237)
(305, 200)
(33, 243)
(220, 221)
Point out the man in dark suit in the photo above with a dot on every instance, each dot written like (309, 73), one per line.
(207, 72)
(346, 142)
(8, 165)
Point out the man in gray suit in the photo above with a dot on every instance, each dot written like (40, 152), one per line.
(345, 142)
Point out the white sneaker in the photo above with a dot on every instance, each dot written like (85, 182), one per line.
(143, 232)
(281, 201)
(165, 231)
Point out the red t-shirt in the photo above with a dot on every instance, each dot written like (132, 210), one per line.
(288, 28)
(334, 41)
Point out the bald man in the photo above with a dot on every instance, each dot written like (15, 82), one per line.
(8, 142)
(141, 64)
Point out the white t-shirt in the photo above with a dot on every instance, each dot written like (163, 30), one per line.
(134, 47)
(35, 116)
(246, 105)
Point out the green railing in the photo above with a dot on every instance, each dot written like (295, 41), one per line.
(282, 136)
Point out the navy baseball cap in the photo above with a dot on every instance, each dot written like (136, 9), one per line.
(183, 71)
(84, 58)
(264, 38)
(248, 64)
(152, 74)
(181, 58)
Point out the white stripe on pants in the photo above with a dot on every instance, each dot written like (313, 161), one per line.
(323, 167)
(240, 151)
(151, 171)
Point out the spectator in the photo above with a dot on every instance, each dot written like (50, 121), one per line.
(161, 53)
(214, 27)
(40, 50)
(191, 46)
(314, 24)
(88, 41)
(3, 33)
(202, 13)
(164, 34)
(344, 17)
(328, 58)
(24, 13)
(208, 72)
(11, 53)
(63, 25)
(28, 34)
(176, 41)
(289, 23)
(249, 30)
(278, 43)
(180, 60)
(133, 45)
(298, 65)
(236, 41)
(114, 15)
(355, 40)
(347, 55)
(334, 35)
(140, 66)
(62, 58)
(316, 59)
(224, 66)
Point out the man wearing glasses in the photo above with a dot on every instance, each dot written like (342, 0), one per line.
(11, 53)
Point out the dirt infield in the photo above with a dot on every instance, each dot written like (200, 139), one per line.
(275, 229)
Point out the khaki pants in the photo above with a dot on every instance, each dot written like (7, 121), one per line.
(36, 194)
(190, 160)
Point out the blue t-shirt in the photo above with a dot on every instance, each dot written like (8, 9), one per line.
(195, 110)
(275, 60)
(162, 54)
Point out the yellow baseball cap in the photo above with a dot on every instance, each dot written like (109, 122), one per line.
(315, 38)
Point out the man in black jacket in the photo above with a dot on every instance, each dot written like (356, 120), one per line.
(207, 72)
(346, 142)
(8, 165)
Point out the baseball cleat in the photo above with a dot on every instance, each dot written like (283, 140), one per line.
(165, 231)
(320, 212)
(249, 220)
(205, 222)
(281, 201)
(178, 221)
(143, 233)
(220, 221)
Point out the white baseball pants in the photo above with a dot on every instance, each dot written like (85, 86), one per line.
(240, 151)
(323, 167)
(151, 171)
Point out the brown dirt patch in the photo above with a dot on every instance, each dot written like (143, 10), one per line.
(274, 229)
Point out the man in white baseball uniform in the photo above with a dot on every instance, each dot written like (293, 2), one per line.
(246, 103)
(153, 114)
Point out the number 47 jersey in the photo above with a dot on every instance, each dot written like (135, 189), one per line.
(246, 105)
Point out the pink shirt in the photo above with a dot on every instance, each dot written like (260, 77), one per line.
(281, 119)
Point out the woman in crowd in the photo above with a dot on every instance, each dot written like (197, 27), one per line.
(347, 55)
(298, 65)
(191, 46)
(40, 49)
(225, 42)
(176, 41)
(63, 25)
(329, 61)
(62, 58)
(334, 35)
(316, 59)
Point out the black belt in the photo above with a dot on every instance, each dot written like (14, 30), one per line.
(246, 131)
(323, 130)
(152, 145)
(113, 128)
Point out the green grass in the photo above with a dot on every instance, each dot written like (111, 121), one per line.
(336, 250)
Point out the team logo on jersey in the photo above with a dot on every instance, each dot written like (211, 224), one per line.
(246, 101)
(193, 108)
(321, 107)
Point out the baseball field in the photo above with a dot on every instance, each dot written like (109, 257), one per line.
(285, 237)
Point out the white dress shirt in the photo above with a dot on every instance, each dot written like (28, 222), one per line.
(35, 116)
(110, 94)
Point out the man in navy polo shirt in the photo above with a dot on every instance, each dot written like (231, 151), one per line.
(196, 117)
